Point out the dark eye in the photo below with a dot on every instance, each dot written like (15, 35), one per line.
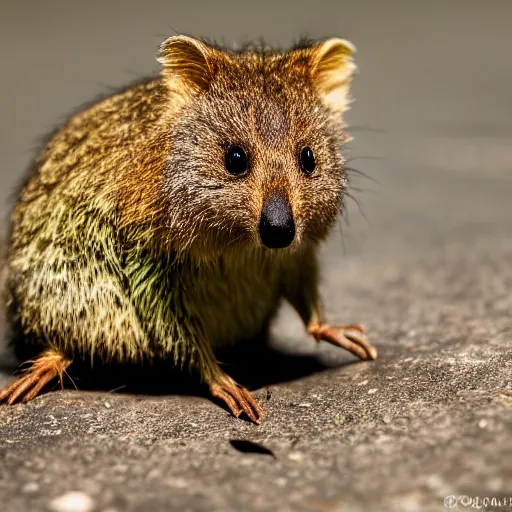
(307, 160)
(236, 161)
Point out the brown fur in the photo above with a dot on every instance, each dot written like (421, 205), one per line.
(131, 241)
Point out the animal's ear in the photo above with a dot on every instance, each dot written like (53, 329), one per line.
(332, 69)
(186, 64)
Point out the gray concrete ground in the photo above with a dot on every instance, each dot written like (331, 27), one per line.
(429, 273)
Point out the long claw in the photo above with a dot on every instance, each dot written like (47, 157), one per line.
(217, 391)
(349, 337)
(7, 392)
(360, 338)
(43, 380)
(237, 398)
(23, 384)
(27, 386)
(249, 404)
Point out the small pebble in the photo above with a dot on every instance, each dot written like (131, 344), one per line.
(372, 391)
(74, 501)
(296, 456)
(386, 419)
(107, 405)
(281, 482)
(30, 488)
(363, 383)
(178, 482)
(305, 404)
(482, 423)
(495, 484)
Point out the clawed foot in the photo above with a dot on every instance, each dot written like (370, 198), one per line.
(238, 399)
(41, 372)
(349, 337)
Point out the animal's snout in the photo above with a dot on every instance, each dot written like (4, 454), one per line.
(277, 227)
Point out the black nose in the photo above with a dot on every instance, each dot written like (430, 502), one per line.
(277, 228)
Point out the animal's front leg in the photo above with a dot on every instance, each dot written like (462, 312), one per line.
(301, 289)
(238, 398)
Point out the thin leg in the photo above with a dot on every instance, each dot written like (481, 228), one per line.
(349, 337)
(238, 399)
(28, 385)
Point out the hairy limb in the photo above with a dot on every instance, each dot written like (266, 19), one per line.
(27, 386)
(301, 289)
(238, 399)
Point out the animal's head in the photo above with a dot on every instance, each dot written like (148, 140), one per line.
(256, 136)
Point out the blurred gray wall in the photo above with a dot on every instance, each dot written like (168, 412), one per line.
(435, 76)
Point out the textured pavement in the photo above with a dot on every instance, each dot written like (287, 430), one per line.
(427, 269)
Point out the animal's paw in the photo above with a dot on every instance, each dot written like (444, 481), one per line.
(28, 385)
(238, 399)
(350, 337)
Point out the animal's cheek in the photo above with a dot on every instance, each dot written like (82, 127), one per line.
(245, 197)
(233, 205)
(318, 203)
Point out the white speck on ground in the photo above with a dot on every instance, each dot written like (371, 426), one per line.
(30, 488)
(296, 456)
(74, 501)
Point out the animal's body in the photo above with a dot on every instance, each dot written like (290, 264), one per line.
(169, 220)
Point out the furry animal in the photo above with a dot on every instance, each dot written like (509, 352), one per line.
(169, 220)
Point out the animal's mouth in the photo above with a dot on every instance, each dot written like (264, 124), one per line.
(277, 226)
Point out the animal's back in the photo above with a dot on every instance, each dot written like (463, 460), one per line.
(66, 246)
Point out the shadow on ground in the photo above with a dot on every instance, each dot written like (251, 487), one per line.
(259, 366)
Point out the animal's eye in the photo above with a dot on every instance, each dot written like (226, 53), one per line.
(307, 160)
(236, 161)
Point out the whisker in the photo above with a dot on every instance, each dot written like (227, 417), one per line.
(352, 170)
(342, 237)
(351, 159)
(72, 381)
(117, 389)
(345, 217)
(358, 189)
(361, 211)
(365, 127)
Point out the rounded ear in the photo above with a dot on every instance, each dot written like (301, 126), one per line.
(332, 69)
(186, 65)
